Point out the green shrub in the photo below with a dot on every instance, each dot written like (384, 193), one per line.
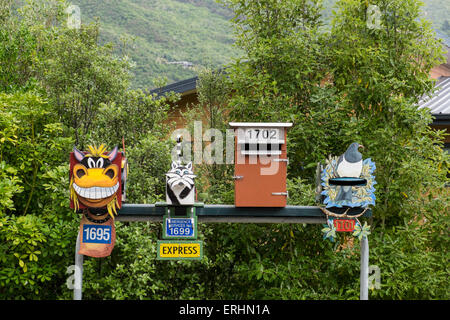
(36, 224)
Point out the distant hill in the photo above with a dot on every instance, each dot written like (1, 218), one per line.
(438, 12)
(174, 37)
(171, 37)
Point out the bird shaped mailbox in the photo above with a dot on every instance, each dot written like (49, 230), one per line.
(346, 187)
(347, 181)
(97, 180)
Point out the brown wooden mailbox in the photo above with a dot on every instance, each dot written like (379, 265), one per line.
(260, 164)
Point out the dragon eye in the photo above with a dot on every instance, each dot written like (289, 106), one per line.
(91, 163)
(100, 163)
(110, 173)
(80, 173)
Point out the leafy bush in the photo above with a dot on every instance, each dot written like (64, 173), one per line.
(149, 161)
(80, 95)
(36, 225)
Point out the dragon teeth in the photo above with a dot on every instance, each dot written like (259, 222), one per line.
(95, 193)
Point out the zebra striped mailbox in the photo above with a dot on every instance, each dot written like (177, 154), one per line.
(180, 188)
(180, 219)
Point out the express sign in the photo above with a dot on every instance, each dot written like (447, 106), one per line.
(175, 250)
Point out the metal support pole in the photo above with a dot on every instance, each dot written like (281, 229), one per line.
(227, 214)
(364, 276)
(78, 286)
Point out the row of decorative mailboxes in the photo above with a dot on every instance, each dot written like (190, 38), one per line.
(98, 177)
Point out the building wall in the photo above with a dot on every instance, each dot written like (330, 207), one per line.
(186, 101)
(443, 127)
(440, 71)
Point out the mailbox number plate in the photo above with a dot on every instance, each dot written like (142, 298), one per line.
(262, 134)
(179, 228)
(344, 225)
(96, 233)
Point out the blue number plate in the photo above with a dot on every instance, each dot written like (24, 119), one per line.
(96, 233)
(180, 227)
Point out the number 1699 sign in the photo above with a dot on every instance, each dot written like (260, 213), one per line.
(96, 233)
(179, 228)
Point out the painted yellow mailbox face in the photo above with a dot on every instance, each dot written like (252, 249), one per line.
(180, 250)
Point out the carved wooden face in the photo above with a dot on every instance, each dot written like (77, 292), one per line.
(95, 181)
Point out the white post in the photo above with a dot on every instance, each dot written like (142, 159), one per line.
(364, 276)
(78, 287)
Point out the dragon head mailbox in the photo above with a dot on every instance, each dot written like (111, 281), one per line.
(260, 164)
(97, 184)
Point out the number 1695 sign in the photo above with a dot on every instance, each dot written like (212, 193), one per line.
(96, 233)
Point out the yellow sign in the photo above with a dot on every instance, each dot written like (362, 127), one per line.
(176, 250)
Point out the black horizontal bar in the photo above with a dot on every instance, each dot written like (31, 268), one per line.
(347, 181)
(217, 210)
(288, 211)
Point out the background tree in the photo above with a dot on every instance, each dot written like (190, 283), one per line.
(80, 77)
(353, 83)
(214, 183)
(59, 86)
(380, 74)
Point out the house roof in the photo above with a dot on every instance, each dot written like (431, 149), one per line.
(183, 87)
(439, 102)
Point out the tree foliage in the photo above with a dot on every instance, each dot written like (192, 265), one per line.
(59, 87)
(352, 83)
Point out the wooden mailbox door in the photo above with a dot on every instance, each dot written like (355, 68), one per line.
(260, 167)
